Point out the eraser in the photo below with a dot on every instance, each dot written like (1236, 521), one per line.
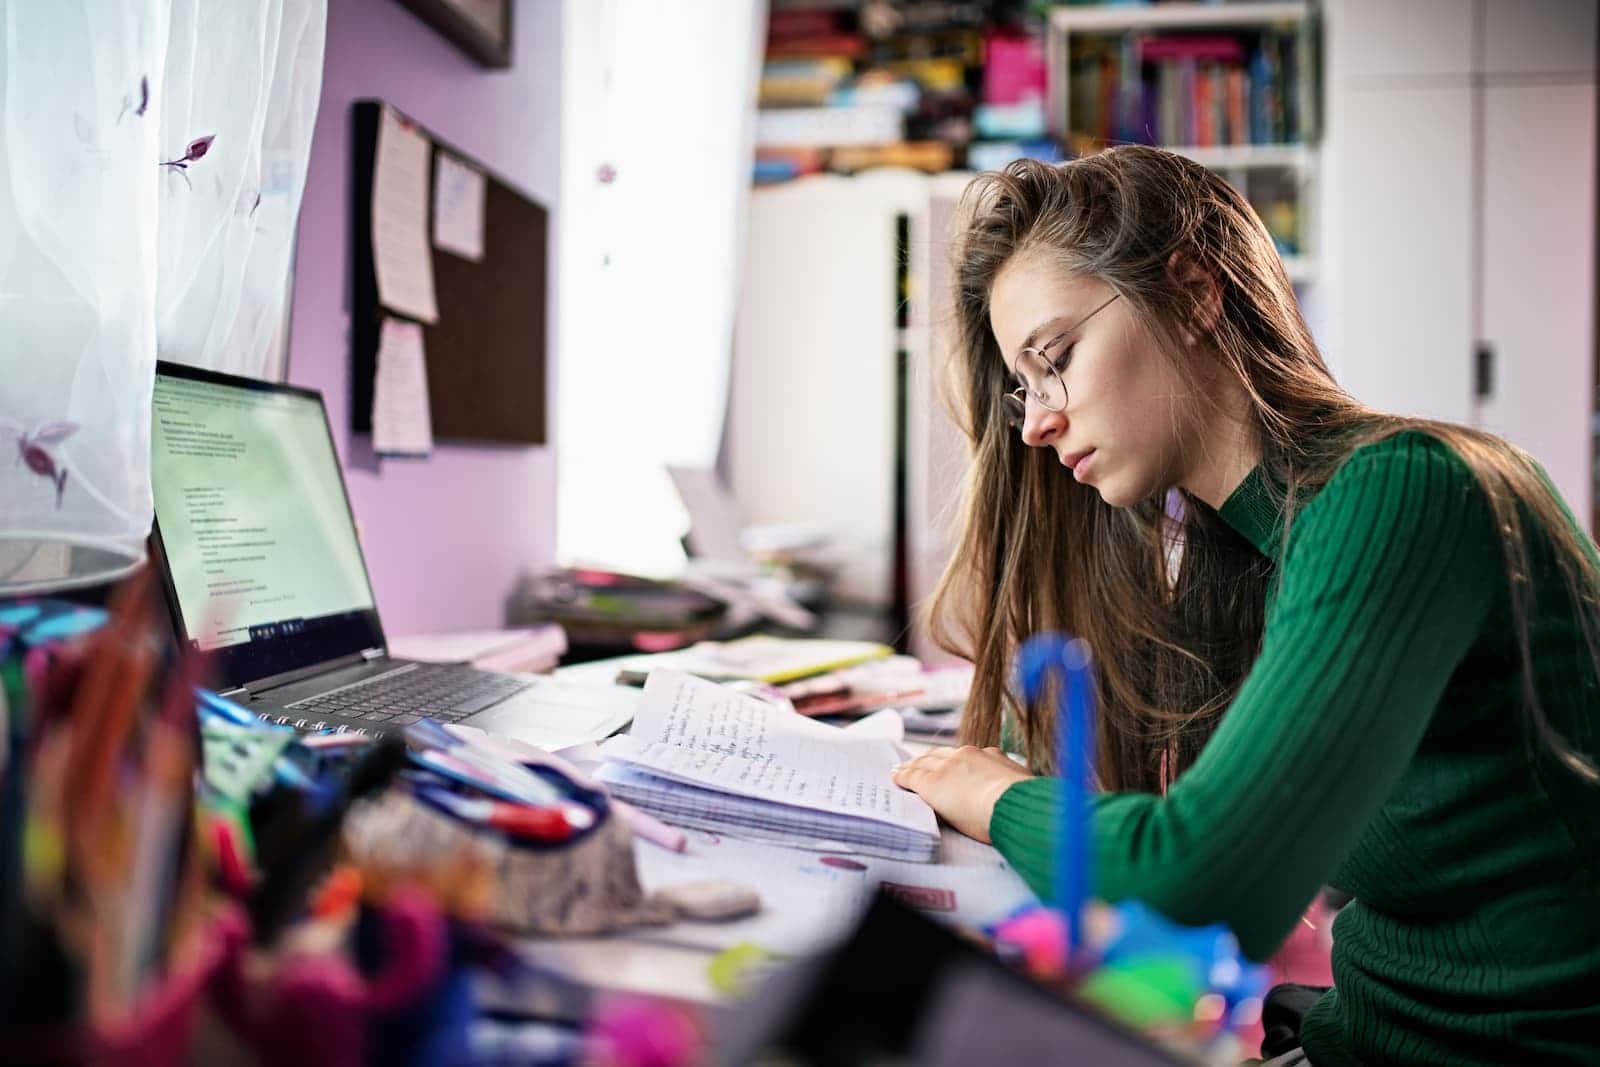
(711, 899)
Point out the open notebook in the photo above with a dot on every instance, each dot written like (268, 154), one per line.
(709, 757)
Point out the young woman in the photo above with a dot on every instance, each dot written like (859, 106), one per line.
(1349, 649)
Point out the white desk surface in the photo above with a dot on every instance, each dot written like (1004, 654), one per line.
(625, 963)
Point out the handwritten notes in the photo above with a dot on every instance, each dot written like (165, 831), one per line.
(402, 421)
(458, 195)
(400, 253)
(775, 771)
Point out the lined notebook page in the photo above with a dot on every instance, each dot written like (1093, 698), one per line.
(706, 734)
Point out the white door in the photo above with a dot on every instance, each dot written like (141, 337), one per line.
(1538, 265)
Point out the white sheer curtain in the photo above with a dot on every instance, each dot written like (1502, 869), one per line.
(658, 117)
(152, 157)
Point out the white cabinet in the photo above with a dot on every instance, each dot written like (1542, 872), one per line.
(1523, 38)
(1538, 250)
(1460, 215)
(811, 421)
(812, 414)
(1399, 329)
(1408, 40)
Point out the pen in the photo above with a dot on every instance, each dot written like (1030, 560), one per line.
(515, 820)
(448, 754)
(640, 822)
(470, 769)
(1069, 661)
(226, 709)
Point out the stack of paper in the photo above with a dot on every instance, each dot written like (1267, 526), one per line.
(894, 682)
(760, 659)
(705, 756)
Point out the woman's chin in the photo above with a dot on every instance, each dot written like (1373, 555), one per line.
(1116, 493)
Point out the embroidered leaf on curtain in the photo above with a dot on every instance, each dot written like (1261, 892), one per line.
(152, 159)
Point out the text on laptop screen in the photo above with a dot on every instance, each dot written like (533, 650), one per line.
(253, 517)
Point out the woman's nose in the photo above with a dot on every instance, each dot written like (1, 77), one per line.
(1041, 426)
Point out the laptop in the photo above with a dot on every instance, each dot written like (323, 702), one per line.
(257, 549)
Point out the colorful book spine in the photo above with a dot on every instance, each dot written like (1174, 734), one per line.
(1238, 109)
(1196, 91)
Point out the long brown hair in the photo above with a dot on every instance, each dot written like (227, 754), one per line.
(1169, 597)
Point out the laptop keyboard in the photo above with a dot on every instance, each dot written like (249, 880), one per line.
(443, 691)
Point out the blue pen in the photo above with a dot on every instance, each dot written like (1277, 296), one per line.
(225, 708)
(429, 733)
(453, 757)
(284, 768)
(1069, 660)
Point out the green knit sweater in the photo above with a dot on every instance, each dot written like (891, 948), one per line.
(1379, 745)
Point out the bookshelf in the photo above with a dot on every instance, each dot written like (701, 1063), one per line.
(1235, 87)
(848, 86)
(1177, 15)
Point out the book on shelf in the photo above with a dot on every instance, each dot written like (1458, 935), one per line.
(863, 124)
(803, 82)
(1195, 90)
(708, 757)
(930, 156)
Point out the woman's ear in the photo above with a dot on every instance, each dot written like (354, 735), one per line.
(1205, 295)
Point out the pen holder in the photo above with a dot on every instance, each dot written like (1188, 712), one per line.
(585, 885)
(402, 995)
(159, 1029)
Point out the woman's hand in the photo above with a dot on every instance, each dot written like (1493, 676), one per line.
(961, 784)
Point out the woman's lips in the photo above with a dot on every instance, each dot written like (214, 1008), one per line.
(1075, 462)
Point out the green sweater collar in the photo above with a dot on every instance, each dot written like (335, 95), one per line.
(1256, 511)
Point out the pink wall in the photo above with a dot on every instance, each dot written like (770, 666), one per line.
(447, 536)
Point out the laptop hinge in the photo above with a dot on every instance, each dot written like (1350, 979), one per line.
(370, 654)
(259, 685)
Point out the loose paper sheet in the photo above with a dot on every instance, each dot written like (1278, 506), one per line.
(552, 714)
(458, 193)
(400, 251)
(402, 422)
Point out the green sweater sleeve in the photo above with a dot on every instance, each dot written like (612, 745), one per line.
(1388, 577)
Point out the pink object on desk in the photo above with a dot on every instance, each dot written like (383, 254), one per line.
(651, 828)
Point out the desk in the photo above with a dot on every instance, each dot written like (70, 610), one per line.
(806, 907)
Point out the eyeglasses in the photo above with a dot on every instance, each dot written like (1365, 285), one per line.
(1040, 377)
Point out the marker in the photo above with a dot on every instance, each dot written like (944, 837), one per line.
(446, 754)
(515, 820)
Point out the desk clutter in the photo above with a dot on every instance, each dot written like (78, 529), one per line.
(181, 882)
(821, 678)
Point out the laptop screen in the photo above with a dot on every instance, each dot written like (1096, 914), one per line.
(258, 543)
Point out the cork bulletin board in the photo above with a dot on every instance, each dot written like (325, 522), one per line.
(486, 346)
